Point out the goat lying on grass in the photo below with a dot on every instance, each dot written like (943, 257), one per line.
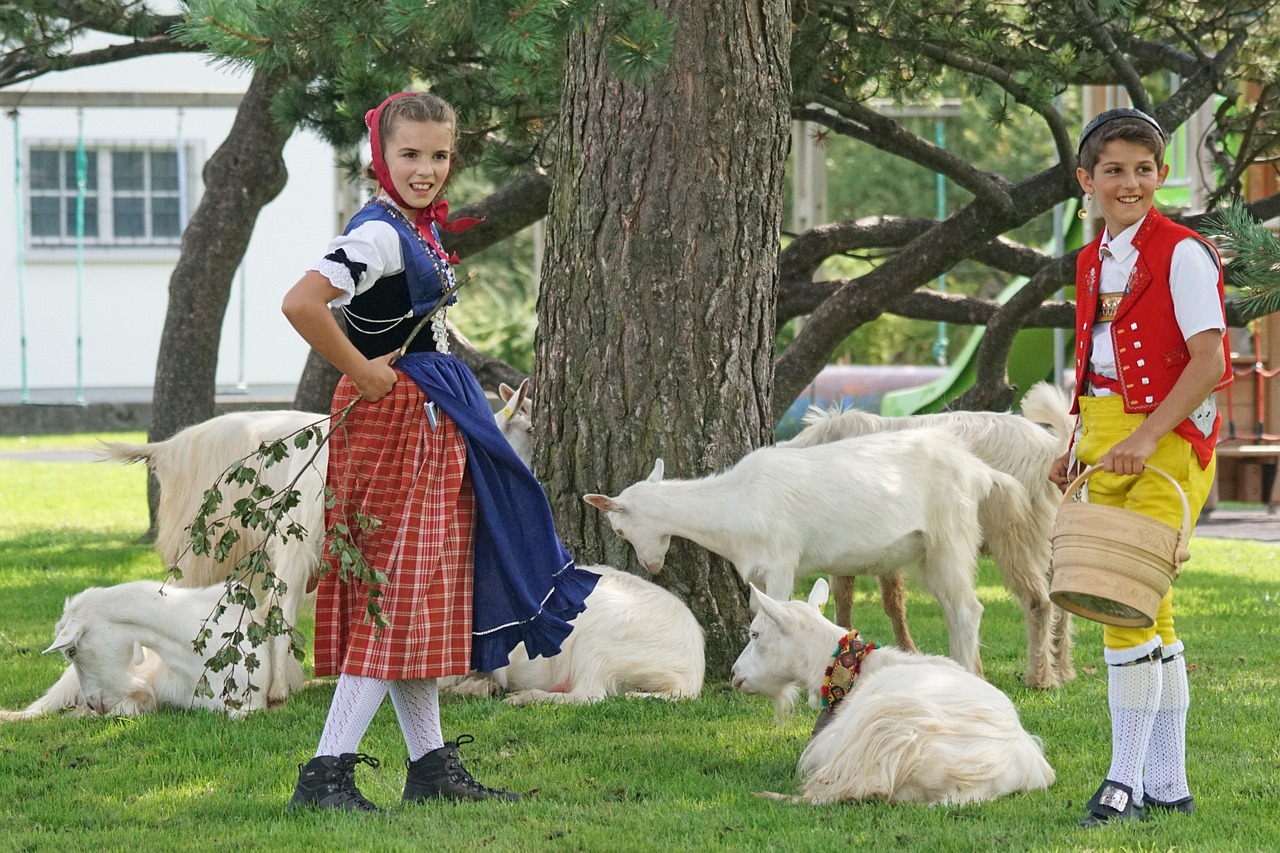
(635, 639)
(1022, 446)
(129, 648)
(196, 458)
(911, 727)
(861, 506)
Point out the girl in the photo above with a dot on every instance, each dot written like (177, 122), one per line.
(464, 534)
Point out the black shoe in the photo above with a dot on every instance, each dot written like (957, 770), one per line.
(1112, 803)
(440, 775)
(1186, 805)
(329, 782)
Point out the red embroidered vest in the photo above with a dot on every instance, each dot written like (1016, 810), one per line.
(1150, 350)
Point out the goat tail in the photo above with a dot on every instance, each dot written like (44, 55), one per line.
(65, 693)
(1005, 503)
(1047, 404)
(128, 453)
(1013, 536)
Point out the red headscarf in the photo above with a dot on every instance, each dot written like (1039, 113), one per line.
(437, 211)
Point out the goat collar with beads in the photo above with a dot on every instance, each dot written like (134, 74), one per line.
(842, 672)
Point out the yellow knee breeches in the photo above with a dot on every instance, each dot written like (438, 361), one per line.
(1104, 423)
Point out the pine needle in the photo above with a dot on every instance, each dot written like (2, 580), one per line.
(1252, 254)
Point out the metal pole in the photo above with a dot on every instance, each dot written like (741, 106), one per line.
(1059, 336)
(242, 384)
(82, 183)
(182, 176)
(20, 256)
(940, 194)
(1059, 249)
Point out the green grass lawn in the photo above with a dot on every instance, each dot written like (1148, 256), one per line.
(620, 775)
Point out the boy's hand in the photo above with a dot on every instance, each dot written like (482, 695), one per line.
(377, 379)
(1058, 471)
(1129, 456)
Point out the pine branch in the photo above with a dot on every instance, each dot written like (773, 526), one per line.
(23, 66)
(1253, 254)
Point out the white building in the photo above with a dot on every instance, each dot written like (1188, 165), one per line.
(91, 300)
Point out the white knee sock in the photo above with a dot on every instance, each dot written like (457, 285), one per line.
(355, 701)
(417, 703)
(1166, 766)
(1134, 694)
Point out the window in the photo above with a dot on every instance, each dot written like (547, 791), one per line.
(126, 196)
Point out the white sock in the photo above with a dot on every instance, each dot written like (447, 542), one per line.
(355, 700)
(1134, 694)
(1166, 770)
(417, 703)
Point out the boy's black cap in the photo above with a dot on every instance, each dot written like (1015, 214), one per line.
(1111, 115)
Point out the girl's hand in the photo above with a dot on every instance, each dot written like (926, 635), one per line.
(377, 378)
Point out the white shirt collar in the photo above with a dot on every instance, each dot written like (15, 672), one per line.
(1121, 245)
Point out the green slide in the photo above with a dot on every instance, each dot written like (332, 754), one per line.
(1030, 357)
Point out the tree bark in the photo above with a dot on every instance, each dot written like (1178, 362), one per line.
(243, 175)
(656, 318)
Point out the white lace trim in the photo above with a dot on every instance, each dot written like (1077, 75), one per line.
(340, 277)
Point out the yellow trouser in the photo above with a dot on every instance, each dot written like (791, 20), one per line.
(1104, 423)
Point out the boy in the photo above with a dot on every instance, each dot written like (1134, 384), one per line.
(1150, 352)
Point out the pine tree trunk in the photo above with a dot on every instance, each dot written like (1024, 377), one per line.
(656, 318)
(243, 175)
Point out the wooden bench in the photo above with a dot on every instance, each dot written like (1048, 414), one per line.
(1261, 454)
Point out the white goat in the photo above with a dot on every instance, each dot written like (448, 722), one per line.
(130, 652)
(515, 418)
(862, 506)
(912, 728)
(1022, 446)
(196, 458)
(635, 638)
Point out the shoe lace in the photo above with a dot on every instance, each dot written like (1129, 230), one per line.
(459, 774)
(347, 775)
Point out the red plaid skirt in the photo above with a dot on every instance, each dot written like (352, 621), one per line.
(386, 462)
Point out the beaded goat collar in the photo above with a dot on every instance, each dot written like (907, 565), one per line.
(846, 663)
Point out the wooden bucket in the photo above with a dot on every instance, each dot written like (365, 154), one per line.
(1113, 565)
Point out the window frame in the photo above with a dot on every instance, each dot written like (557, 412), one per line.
(106, 194)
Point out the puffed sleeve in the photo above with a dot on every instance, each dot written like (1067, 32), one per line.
(1193, 281)
(355, 261)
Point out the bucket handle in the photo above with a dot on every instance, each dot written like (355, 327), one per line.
(1181, 554)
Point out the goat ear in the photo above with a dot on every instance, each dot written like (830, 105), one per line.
(655, 476)
(505, 391)
(818, 595)
(762, 603)
(522, 396)
(66, 638)
(603, 502)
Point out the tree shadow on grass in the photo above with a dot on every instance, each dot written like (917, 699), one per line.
(74, 558)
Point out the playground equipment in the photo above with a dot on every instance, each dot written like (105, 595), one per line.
(1249, 459)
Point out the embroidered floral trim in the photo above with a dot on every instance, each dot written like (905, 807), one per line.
(842, 672)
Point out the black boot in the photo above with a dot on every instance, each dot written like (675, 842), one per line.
(1111, 803)
(440, 775)
(329, 782)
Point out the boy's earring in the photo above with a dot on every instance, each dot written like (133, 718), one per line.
(1084, 208)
